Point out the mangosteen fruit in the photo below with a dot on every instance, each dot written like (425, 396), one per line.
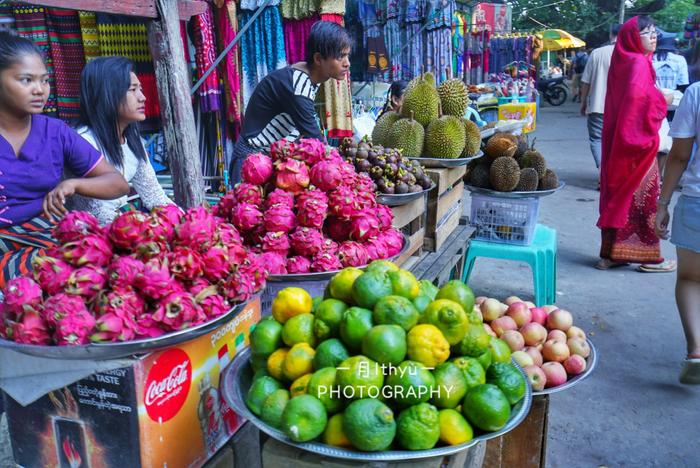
(381, 162)
(376, 172)
(401, 187)
(362, 165)
(411, 179)
(415, 188)
(389, 188)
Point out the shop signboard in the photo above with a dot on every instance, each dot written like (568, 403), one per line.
(493, 17)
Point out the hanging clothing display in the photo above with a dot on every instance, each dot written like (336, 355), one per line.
(255, 4)
(459, 32)
(90, 35)
(504, 50)
(296, 32)
(332, 7)
(228, 27)
(438, 54)
(299, 9)
(337, 108)
(205, 55)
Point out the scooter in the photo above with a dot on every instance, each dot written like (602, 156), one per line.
(553, 90)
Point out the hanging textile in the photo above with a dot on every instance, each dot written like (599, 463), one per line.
(337, 108)
(205, 55)
(299, 9)
(68, 57)
(458, 44)
(30, 22)
(262, 48)
(332, 7)
(440, 13)
(438, 54)
(255, 4)
(392, 35)
(333, 18)
(90, 35)
(411, 17)
(227, 27)
(296, 32)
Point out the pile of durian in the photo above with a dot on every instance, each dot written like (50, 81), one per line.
(511, 164)
(431, 123)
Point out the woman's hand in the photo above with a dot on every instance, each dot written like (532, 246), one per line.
(662, 219)
(55, 200)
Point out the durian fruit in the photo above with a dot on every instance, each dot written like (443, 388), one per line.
(472, 138)
(501, 145)
(407, 135)
(528, 180)
(479, 176)
(454, 97)
(533, 158)
(444, 138)
(549, 181)
(523, 146)
(504, 174)
(421, 100)
(380, 134)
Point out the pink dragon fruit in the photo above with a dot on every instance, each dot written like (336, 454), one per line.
(21, 293)
(309, 150)
(332, 154)
(376, 249)
(125, 302)
(275, 264)
(330, 246)
(279, 197)
(279, 219)
(364, 183)
(257, 169)
(343, 203)
(58, 306)
(156, 281)
(74, 328)
(312, 208)
(277, 242)
(348, 173)
(385, 217)
(227, 234)
(239, 287)
(353, 254)
(298, 264)
(255, 271)
(123, 272)
(30, 328)
(76, 224)
(237, 254)
(213, 304)
(225, 207)
(164, 218)
(86, 281)
(151, 249)
(117, 314)
(254, 237)
(306, 242)
(197, 229)
(325, 261)
(249, 193)
(247, 217)
(112, 327)
(198, 285)
(338, 229)
(177, 311)
(282, 149)
(363, 226)
(90, 249)
(129, 230)
(366, 201)
(326, 176)
(216, 263)
(393, 240)
(291, 175)
(184, 263)
(146, 327)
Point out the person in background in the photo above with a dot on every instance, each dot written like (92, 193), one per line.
(282, 104)
(685, 233)
(395, 98)
(111, 105)
(579, 63)
(671, 68)
(693, 59)
(594, 83)
(629, 176)
(35, 150)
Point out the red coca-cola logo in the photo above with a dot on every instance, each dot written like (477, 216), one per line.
(167, 385)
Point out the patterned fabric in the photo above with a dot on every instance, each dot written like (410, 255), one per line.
(439, 13)
(299, 9)
(392, 35)
(255, 4)
(205, 46)
(438, 54)
(30, 22)
(68, 58)
(337, 108)
(296, 32)
(333, 18)
(91, 37)
(20, 244)
(228, 26)
(412, 56)
(332, 7)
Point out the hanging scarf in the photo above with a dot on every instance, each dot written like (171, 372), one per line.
(634, 109)
(91, 37)
(205, 55)
(228, 25)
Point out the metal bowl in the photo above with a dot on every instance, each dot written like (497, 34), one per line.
(401, 199)
(591, 362)
(488, 132)
(533, 194)
(104, 351)
(326, 275)
(238, 376)
(511, 127)
(447, 163)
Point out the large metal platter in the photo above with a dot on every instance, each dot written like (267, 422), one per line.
(447, 163)
(326, 275)
(401, 199)
(496, 193)
(104, 351)
(591, 362)
(486, 133)
(511, 127)
(236, 381)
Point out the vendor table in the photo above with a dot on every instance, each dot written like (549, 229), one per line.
(448, 263)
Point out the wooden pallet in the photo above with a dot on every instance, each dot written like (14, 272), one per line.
(448, 263)
(444, 206)
(410, 219)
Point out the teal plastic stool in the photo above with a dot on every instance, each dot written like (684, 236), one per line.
(541, 255)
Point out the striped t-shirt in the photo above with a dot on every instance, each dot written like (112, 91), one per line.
(281, 107)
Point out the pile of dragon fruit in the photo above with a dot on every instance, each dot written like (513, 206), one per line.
(142, 276)
(305, 209)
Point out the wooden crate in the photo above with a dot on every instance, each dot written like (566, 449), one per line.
(410, 219)
(448, 263)
(444, 206)
(526, 445)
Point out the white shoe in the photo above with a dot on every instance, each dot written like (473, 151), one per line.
(690, 374)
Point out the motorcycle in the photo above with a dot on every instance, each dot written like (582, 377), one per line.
(553, 90)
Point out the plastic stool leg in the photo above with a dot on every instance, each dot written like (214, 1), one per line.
(468, 265)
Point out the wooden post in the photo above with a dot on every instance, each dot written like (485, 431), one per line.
(176, 105)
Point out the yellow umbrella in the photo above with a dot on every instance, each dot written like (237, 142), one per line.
(558, 39)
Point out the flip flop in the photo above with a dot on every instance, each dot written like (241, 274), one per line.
(667, 266)
(690, 374)
(606, 264)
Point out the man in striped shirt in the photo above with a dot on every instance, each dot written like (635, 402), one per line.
(282, 105)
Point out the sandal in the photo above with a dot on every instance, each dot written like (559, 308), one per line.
(666, 266)
(690, 374)
(607, 264)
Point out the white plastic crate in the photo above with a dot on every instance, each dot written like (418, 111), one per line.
(504, 220)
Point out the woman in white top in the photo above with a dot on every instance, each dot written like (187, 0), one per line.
(111, 105)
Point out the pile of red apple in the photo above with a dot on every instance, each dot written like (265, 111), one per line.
(543, 340)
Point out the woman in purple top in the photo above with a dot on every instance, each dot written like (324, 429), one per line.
(34, 152)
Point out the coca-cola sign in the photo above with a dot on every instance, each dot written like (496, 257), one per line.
(167, 385)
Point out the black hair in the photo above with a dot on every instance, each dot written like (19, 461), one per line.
(396, 90)
(328, 39)
(644, 21)
(615, 29)
(13, 48)
(104, 83)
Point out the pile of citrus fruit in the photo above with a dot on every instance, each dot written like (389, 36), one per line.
(383, 361)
